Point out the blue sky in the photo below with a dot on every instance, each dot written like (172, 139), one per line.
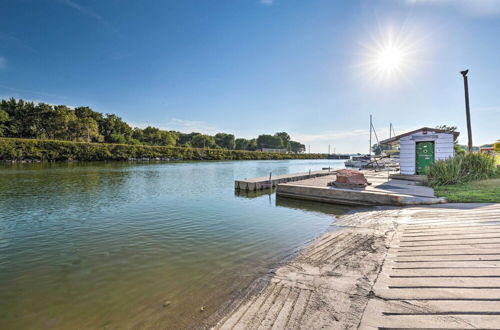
(249, 67)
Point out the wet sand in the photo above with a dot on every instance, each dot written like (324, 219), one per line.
(348, 279)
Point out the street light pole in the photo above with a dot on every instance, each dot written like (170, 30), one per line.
(467, 109)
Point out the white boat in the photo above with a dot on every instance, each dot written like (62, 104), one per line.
(357, 161)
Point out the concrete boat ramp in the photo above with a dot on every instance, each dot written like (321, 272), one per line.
(415, 267)
(383, 190)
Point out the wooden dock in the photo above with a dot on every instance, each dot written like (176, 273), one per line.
(273, 180)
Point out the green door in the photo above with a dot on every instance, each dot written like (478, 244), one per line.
(425, 156)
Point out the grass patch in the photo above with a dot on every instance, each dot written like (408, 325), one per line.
(482, 191)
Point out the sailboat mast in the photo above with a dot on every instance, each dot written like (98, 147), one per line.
(370, 147)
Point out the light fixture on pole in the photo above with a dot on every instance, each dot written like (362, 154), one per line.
(467, 109)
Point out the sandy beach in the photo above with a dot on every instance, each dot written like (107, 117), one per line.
(364, 275)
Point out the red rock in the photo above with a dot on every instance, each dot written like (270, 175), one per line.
(351, 177)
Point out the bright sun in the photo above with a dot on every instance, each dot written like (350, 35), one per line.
(390, 57)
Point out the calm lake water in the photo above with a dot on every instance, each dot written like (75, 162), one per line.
(104, 245)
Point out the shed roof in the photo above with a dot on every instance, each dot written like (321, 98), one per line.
(395, 139)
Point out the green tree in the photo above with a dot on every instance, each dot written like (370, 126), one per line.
(225, 141)
(117, 138)
(85, 130)
(86, 112)
(285, 138)
(168, 138)
(16, 110)
(58, 122)
(203, 141)
(253, 145)
(242, 144)
(22, 119)
(154, 136)
(4, 118)
(138, 134)
(269, 141)
(114, 125)
(297, 147)
(185, 139)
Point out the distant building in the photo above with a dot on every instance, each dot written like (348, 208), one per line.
(280, 151)
(420, 148)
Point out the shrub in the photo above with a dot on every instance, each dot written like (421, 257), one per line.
(459, 150)
(13, 149)
(462, 168)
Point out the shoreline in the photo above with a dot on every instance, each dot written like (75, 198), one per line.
(305, 278)
(260, 283)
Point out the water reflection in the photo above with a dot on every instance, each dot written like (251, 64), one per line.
(254, 194)
(312, 206)
(104, 245)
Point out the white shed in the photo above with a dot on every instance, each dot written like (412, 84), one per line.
(419, 148)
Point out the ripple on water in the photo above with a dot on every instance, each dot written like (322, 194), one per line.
(105, 244)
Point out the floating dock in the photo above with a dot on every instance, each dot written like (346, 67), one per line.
(272, 181)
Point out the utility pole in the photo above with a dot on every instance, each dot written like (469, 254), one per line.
(390, 130)
(328, 149)
(467, 109)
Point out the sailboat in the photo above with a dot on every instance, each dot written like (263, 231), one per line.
(365, 161)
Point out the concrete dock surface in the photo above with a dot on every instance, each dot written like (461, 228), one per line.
(382, 191)
(420, 267)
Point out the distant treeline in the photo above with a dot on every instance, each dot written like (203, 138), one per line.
(22, 119)
(13, 149)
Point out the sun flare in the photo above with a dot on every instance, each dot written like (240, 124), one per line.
(390, 57)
